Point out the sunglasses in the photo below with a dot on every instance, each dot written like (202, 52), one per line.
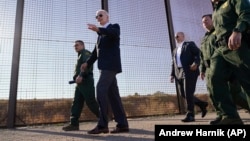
(100, 15)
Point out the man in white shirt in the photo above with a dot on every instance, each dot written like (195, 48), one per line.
(185, 70)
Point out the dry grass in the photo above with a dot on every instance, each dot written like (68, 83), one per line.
(45, 111)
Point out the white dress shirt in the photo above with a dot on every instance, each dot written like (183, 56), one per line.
(178, 54)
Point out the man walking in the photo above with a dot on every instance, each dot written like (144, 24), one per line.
(231, 20)
(185, 70)
(84, 90)
(107, 52)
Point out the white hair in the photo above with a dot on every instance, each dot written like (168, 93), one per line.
(102, 10)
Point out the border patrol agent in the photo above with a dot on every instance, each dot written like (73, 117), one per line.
(84, 90)
(231, 19)
(207, 50)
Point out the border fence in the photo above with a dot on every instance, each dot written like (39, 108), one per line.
(37, 58)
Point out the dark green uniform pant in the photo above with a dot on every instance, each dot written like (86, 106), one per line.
(211, 95)
(222, 62)
(239, 97)
(84, 93)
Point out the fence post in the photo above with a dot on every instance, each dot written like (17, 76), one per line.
(181, 103)
(15, 64)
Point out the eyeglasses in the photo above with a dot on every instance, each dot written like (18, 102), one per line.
(177, 36)
(100, 15)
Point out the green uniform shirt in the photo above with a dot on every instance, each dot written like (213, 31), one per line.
(207, 49)
(82, 58)
(229, 15)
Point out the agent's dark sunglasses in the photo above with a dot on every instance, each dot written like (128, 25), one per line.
(100, 15)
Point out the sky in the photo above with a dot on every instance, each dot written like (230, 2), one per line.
(50, 28)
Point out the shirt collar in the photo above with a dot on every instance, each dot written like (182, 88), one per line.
(210, 32)
(106, 25)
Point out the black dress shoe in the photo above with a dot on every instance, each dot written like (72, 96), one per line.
(120, 130)
(188, 119)
(203, 113)
(216, 120)
(98, 130)
(204, 110)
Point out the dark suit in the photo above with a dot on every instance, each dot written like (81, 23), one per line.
(185, 78)
(107, 51)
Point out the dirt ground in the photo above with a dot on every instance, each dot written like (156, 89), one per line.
(141, 129)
